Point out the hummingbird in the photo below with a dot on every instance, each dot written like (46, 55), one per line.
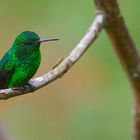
(21, 61)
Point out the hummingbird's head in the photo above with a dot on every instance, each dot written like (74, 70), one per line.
(30, 39)
(27, 39)
(27, 42)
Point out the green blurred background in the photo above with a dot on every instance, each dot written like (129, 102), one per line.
(93, 101)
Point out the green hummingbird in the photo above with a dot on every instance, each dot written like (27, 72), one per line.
(22, 60)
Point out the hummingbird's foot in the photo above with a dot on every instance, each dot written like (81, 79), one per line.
(27, 86)
(31, 86)
(19, 88)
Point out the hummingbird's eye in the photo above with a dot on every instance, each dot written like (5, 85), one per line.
(27, 43)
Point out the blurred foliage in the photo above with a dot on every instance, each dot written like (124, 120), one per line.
(93, 100)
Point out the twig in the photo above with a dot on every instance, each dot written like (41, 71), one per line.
(126, 50)
(63, 67)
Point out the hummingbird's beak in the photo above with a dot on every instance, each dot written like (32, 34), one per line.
(46, 39)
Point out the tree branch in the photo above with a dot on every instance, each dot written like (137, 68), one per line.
(61, 68)
(108, 16)
(126, 50)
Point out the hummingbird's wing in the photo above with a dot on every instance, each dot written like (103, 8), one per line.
(6, 70)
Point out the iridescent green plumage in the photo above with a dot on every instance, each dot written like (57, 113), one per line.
(21, 61)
